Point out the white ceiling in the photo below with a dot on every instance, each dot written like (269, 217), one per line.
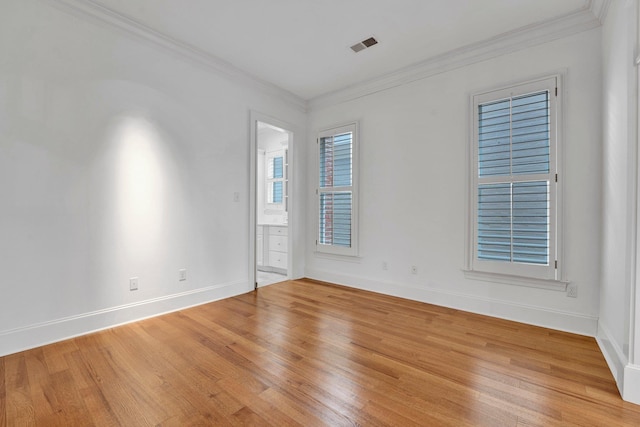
(302, 46)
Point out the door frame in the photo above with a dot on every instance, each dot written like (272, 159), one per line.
(254, 118)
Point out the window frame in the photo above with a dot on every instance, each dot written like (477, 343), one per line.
(351, 251)
(546, 276)
(270, 156)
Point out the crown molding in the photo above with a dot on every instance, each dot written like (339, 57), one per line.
(582, 19)
(599, 8)
(89, 9)
(591, 15)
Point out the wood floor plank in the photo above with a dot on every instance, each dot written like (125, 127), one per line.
(42, 394)
(3, 394)
(314, 354)
(130, 402)
(55, 357)
(292, 408)
(19, 403)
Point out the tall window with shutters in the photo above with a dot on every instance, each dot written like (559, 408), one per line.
(337, 191)
(514, 181)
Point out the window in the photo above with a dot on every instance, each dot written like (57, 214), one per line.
(514, 183)
(337, 191)
(276, 179)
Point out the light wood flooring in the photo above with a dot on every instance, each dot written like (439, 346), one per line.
(311, 354)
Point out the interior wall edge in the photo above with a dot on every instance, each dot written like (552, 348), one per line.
(613, 354)
(32, 336)
(631, 389)
(531, 315)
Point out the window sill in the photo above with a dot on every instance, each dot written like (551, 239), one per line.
(553, 285)
(338, 257)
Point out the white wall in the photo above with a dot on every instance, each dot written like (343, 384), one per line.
(413, 177)
(619, 42)
(118, 159)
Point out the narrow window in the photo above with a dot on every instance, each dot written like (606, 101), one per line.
(337, 191)
(514, 200)
(275, 179)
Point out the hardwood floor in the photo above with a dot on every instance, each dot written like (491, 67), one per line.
(312, 354)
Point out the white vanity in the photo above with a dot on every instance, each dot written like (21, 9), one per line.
(272, 248)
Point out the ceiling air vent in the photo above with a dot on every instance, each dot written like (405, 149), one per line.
(364, 44)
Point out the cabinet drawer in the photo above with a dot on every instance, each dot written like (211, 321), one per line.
(278, 243)
(277, 231)
(278, 259)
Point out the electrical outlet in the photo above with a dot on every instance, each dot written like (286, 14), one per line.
(384, 265)
(182, 274)
(133, 284)
(414, 269)
(572, 290)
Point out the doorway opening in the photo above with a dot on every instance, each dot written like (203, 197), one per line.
(272, 203)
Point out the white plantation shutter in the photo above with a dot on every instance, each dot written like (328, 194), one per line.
(514, 136)
(275, 179)
(513, 222)
(336, 207)
(335, 219)
(514, 180)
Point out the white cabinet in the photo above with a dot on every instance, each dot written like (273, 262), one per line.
(273, 243)
(278, 260)
(260, 246)
(278, 230)
(278, 242)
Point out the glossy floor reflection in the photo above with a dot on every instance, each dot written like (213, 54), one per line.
(304, 353)
(265, 278)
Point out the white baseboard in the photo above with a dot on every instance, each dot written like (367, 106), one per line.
(539, 316)
(613, 354)
(631, 390)
(626, 375)
(24, 338)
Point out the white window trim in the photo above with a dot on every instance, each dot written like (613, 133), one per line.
(355, 164)
(475, 269)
